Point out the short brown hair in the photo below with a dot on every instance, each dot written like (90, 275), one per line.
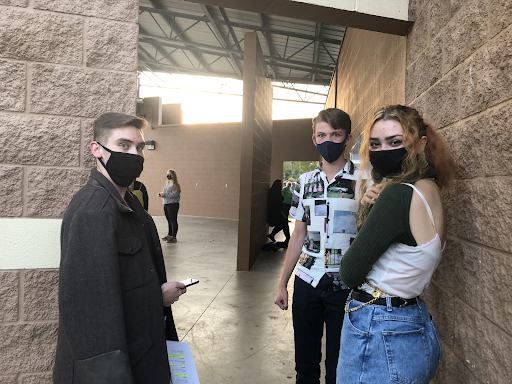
(104, 124)
(336, 118)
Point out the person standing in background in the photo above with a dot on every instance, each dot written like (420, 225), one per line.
(287, 202)
(171, 195)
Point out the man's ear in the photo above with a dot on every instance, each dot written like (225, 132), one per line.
(313, 138)
(95, 149)
(349, 139)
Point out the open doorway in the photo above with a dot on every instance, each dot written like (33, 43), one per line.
(293, 169)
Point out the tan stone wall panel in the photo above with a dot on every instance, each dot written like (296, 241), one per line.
(465, 33)
(39, 140)
(500, 16)
(452, 370)
(111, 45)
(89, 161)
(496, 153)
(11, 185)
(41, 295)
(45, 378)
(416, 41)
(12, 86)
(40, 36)
(8, 380)
(487, 75)
(27, 347)
(441, 105)
(9, 296)
(123, 10)
(16, 3)
(481, 211)
(50, 190)
(81, 92)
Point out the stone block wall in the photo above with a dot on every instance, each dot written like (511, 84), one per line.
(459, 74)
(256, 152)
(62, 64)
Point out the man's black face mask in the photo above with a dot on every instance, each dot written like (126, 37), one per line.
(122, 167)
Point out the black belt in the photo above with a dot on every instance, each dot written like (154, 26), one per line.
(395, 301)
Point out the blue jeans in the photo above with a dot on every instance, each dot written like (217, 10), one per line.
(311, 308)
(384, 344)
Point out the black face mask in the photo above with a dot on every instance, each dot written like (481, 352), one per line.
(122, 167)
(330, 150)
(387, 163)
(169, 177)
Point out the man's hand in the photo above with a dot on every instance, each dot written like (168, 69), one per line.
(172, 291)
(282, 298)
(372, 193)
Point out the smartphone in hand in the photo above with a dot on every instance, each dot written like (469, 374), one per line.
(189, 282)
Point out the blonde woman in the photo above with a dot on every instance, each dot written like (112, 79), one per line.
(171, 199)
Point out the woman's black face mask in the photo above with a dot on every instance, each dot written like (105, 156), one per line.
(388, 163)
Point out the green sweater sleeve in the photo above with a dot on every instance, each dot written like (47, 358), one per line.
(387, 223)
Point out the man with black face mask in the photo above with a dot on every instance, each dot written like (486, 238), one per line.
(114, 299)
(324, 207)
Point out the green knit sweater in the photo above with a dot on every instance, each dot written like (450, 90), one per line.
(387, 223)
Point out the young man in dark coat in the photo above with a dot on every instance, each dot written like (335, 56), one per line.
(114, 301)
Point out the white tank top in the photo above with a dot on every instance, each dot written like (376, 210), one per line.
(403, 270)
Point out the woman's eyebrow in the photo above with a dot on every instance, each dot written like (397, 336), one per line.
(392, 137)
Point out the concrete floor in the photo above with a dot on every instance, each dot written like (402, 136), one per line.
(236, 332)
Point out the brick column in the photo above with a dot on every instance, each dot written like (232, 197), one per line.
(62, 64)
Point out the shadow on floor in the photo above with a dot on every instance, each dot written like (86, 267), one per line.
(236, 332)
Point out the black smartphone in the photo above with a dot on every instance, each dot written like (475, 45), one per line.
(189, 282)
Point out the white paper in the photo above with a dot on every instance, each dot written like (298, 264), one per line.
(181, 362)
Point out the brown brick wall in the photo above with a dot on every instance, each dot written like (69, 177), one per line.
(62, 64)
(256, 152)
(456, 65)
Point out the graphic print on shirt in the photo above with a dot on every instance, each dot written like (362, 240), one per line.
(320, 208)
(307, 215)
(332, 257)
(312, 241)
(295, 204)
(313, 186)
(345, 222)
(306, 260)
(341, 188)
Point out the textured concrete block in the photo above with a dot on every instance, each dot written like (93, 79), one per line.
(487, 75)
(442, 101)
(50, 190)
(467, 141)
(27, 347)
(439, 14)
(89, 161)
(496, 153)
(500, 16)
(496, 364)
(81, 92)
(481, 211)
(40, 299)
(39, 140)
(428, 66)
(9, 295)
(38, 36)
(12, 86)
(124, 10)
(16, 3)
(439, 304)
(452, 370)
(459, 272)
(417, 37)
(466, 32)
(496, 301)
(111, 45)
(45, 378)
(11, 187)
(8, 380)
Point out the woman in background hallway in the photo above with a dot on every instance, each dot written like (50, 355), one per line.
(388, 335)
(275, 215)
(171, 195)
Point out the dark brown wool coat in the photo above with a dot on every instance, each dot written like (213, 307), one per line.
(111, 325)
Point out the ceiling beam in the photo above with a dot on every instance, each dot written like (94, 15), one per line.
(318, 32)
(251, 27)
(230, 28)
(220, 38)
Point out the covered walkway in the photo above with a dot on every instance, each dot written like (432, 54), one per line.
(236, 332)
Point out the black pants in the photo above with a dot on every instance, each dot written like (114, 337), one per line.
(282, 224)
(286, 209)
(311, 308)
(171, 214)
